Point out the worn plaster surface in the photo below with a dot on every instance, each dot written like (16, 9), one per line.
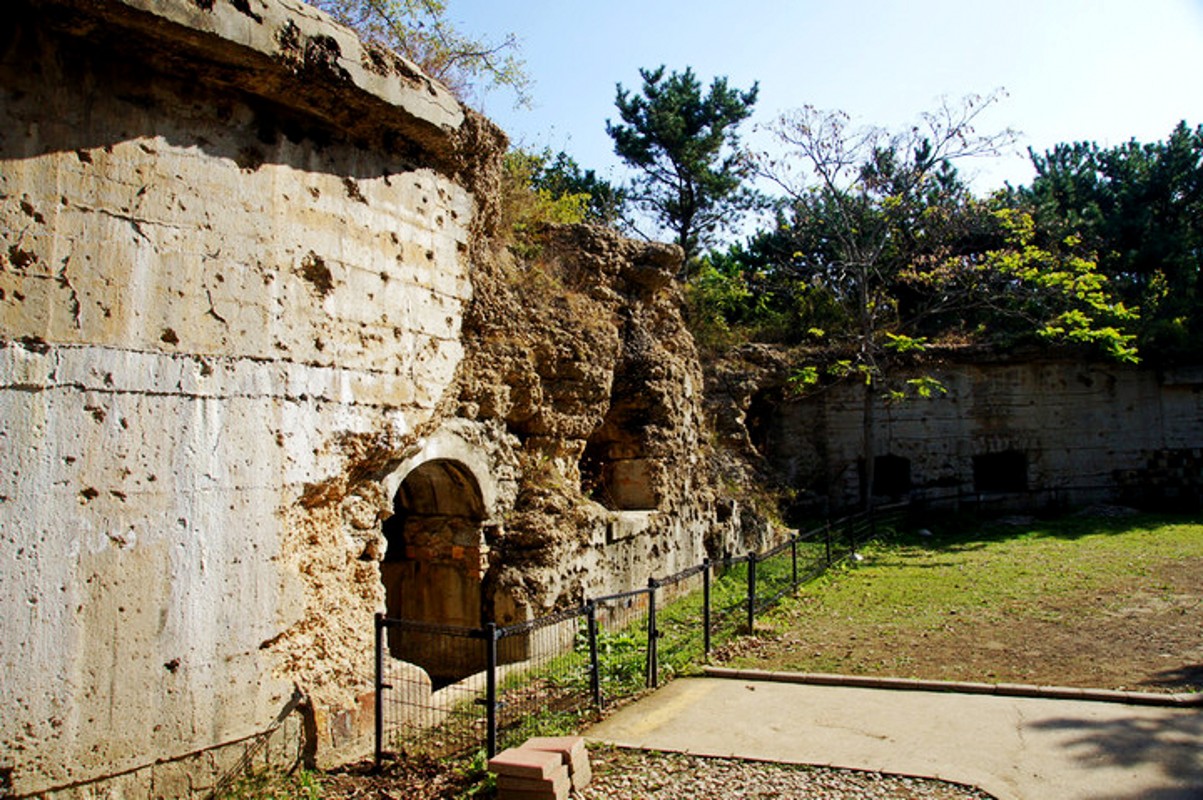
(215, 309)
(255, 298)
(1074, 430)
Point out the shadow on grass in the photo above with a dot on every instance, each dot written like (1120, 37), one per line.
(1167, 739)
(949, 532)
(1188, 678)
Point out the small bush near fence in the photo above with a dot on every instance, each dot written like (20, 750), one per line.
(549, 675)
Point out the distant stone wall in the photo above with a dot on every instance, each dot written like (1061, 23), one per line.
(234, 262)
(1055, 431)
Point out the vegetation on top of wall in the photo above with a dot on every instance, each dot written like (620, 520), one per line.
(1104, 249)
(692, 173)
(541, 190)
(1139, 209)
(420, 31)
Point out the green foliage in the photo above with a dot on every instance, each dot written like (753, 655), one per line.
(901, 343)
(530, 203)
(420, 31)
(803, 378)
(533, 198)
(622, 659)
(879, 250)
(541, 189)
(560, 176)
(1139, 207)
(733, 297)
(686, 146)
(926, 386)
(870, 216)
(719, 297)
(1062, 293)
(476, 771)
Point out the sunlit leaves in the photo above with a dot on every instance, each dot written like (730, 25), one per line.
(1072, 297)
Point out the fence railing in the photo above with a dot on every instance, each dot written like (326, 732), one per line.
(550, 672)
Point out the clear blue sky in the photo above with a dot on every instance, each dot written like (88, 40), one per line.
(1101, 70)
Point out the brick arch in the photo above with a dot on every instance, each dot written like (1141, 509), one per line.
(437, 555)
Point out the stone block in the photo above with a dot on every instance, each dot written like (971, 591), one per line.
(557, 785)
(519, 763)
(573, 753)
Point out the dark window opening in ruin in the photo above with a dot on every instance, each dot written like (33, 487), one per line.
(760, 418)
(434, 566)
(1001, 472)
(615, 470)
(891, 476)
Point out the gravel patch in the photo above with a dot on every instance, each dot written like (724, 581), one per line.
(620, 774)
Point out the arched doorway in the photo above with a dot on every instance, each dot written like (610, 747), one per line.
(434, 566)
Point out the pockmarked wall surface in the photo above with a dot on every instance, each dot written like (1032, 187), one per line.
(270, 365)
(233, 270)
(1050, 431)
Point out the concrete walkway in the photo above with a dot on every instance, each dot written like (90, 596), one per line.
(1016, 748)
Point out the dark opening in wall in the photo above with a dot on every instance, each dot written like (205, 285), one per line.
(434, 565)
(1001, 472)
(761, 416)
(891, 476)
(615, 470)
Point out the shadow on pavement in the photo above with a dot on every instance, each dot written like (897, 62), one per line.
(1173, 744)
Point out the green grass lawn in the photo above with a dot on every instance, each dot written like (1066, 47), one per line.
(1074, 600)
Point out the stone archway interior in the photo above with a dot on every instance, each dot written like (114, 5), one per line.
(434, 565)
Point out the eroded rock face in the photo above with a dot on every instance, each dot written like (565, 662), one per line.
(584, 355)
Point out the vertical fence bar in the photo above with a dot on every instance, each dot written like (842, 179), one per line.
(793, 553)
(653, 634)
(490, 632)
(706, 608)
(379, 699)
(751, 593)
(594, 661)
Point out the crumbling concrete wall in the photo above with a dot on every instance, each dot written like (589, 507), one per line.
(581, 353)
(1052, 431)
(259, 333)
(233, 271)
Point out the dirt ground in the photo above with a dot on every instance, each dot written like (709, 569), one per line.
(1143, 634)
(405, 779)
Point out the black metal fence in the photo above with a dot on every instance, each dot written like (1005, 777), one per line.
(552, 672)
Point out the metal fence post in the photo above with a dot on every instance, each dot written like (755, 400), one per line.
(490, 632)
(706, 608)
(653, 634)
(751, 593)
(793, 553)
(594, 662)
(379, 699)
